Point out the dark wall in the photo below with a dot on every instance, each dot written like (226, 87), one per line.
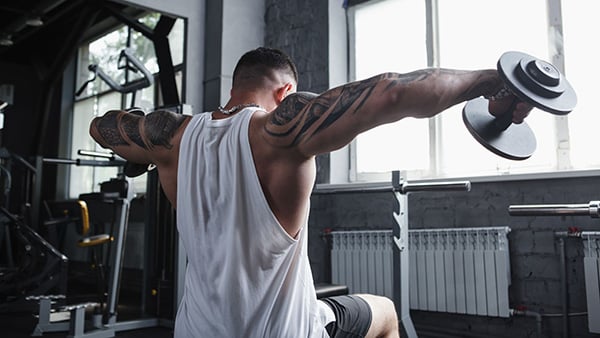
(21, 134)
(19, 128)
(300, 29)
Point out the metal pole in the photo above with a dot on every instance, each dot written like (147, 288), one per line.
(563, 287)
(591, 209)
(116, 258)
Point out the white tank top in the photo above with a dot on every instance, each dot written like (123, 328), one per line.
(246, 277)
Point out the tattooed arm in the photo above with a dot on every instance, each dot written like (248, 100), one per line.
(318, 124)
(139, 139)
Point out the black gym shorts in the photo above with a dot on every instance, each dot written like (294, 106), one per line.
(352, 314)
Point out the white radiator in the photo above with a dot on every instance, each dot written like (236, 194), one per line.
(458, 270)
(362, 260)
(591, 263)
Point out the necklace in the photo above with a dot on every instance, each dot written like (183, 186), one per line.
(238, 107)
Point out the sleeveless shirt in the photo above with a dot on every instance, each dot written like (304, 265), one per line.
(245, 276)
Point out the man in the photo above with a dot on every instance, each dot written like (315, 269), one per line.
(241, 177)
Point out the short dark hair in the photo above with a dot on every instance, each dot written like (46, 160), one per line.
(258, 62)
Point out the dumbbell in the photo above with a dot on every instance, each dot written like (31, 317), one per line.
(531, 80)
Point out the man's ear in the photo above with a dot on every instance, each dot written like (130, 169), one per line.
(283, 91)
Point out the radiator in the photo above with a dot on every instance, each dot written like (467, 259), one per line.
(463, 271)
(458, 270)
(591, 263)
(362, 260)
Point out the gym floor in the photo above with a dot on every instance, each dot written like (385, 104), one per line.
(18, 319)
(21, 324)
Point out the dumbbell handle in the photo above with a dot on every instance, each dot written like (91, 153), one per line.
(591, 209)
(503, 121)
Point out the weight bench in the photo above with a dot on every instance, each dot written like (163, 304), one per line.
(324, 290)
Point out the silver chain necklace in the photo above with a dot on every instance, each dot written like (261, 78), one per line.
(236, 108)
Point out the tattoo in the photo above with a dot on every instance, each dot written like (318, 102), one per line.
(301, 117)
(304, 115)
(160, 126)
(118, 128)
(108, 129)
(130, 123)
(290, 107)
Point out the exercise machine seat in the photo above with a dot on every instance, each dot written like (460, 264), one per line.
(325, 290)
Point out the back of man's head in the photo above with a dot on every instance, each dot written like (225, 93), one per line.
(256, 67)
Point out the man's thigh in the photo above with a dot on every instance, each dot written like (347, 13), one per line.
(353, 316)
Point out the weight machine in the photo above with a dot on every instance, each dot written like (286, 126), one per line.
(157, 209)
(104, 322)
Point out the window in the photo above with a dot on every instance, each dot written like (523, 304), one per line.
(581, 29)
(391, 35)
(401, 53)
(98, 98)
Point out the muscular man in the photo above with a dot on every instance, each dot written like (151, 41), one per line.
(240, 178)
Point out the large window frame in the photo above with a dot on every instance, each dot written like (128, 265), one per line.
(561, 163)
(100, 98)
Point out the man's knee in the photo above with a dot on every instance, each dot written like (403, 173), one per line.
(384, 318)
(380, 303)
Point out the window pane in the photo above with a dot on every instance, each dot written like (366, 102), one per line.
(144, 50)
(81, 178)
(105, 52)
(581, 29)
(382, 45)
(144, 98)
(176, 41)
(84, 179)
(105, 103)
(473, 37)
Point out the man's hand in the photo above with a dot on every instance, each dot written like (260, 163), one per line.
(500, 106)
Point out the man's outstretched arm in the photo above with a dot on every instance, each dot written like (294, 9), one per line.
(139, 139)
(318, 124)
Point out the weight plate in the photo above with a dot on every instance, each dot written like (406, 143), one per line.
(537, 85)
(517, 142)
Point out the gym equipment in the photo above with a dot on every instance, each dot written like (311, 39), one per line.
(42, 267)
(37, 267)
(126, 61)
(324, 290)
(591, 266)
(591, 209)
(401, 188)
(49, 321)
(109, 206)
(531, 80)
